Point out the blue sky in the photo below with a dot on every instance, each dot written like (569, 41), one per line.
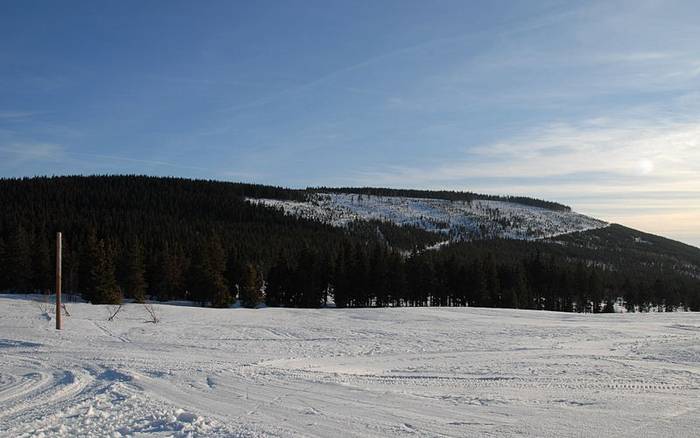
(594, 104)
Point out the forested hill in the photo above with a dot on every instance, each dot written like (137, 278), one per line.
(171, 238)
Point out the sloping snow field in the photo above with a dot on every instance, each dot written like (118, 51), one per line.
(461, 219)
(421, 372)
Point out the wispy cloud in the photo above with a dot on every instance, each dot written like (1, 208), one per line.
(32, 151)
(643, 173)
(649, 152)
(16, 155)
(12, 116)
(137, 160)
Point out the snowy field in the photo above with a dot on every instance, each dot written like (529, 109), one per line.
(459, 219)
(418, 372)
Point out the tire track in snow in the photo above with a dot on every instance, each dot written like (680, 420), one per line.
(110, 333)
(64, 399)
(43, 389)
(567, 383)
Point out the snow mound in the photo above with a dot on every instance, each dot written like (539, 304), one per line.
(460, 220)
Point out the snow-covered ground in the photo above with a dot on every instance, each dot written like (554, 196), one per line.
(420, 372)
(459, 219)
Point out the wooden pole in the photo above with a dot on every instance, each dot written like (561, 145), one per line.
(59, 326)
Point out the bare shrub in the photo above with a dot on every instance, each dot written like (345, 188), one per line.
(113, 311)
(152, 315)
(44, 306)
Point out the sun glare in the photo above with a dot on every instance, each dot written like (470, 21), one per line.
(645, 166)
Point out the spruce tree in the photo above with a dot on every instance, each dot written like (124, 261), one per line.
(168, 273)
(251, 289)
(206, 280)
(378, 281)
(18, 261)
(512, 297)
(342, 286)
(595, 288)
(359, 277)
(43, 268)
(581, 288)
(277, 282)
(397, 284)
(235, 270)
(89, 255)
(490, 288)
(134, 283)
(102, 276)
(326, 274)
(3, 267)
(463, 288)
(308, 281)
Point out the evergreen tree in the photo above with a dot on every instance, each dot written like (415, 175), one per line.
(167, 277)
(694, 300)
(491, 292)
(595, 290)
(251, 289)
(566, 290)
(235, 271)
(207, 281)
(308, 280)
(102, 276)
(463, 287)
(18, 261)
(358, 276)
(342, 288)
(378, 281)
(90, 255)
(552, 285)
(134, 284)
(4, 283)
(412, 295)
(581, 280)
(517, 290)
(43, 266)
(397, 284)
(629, 294)
(277, 283)
(658, 292)
(537, 281)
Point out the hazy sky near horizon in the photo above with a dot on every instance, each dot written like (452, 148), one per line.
(593, 104)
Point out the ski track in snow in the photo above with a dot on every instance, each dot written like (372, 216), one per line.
(422, 372)
(459, 219)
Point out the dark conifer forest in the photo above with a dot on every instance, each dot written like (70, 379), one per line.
(141, 238)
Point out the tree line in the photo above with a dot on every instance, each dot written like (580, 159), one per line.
(358, 274)
(173, 239)
(450, 195)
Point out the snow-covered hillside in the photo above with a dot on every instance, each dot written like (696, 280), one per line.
(424, 372)
(458, 219)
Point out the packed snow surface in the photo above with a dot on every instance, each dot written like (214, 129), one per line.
(423, 372)
(459, 219)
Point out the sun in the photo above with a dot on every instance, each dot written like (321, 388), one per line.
(645, 166)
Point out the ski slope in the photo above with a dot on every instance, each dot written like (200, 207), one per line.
(461, 220)
(392, 372)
